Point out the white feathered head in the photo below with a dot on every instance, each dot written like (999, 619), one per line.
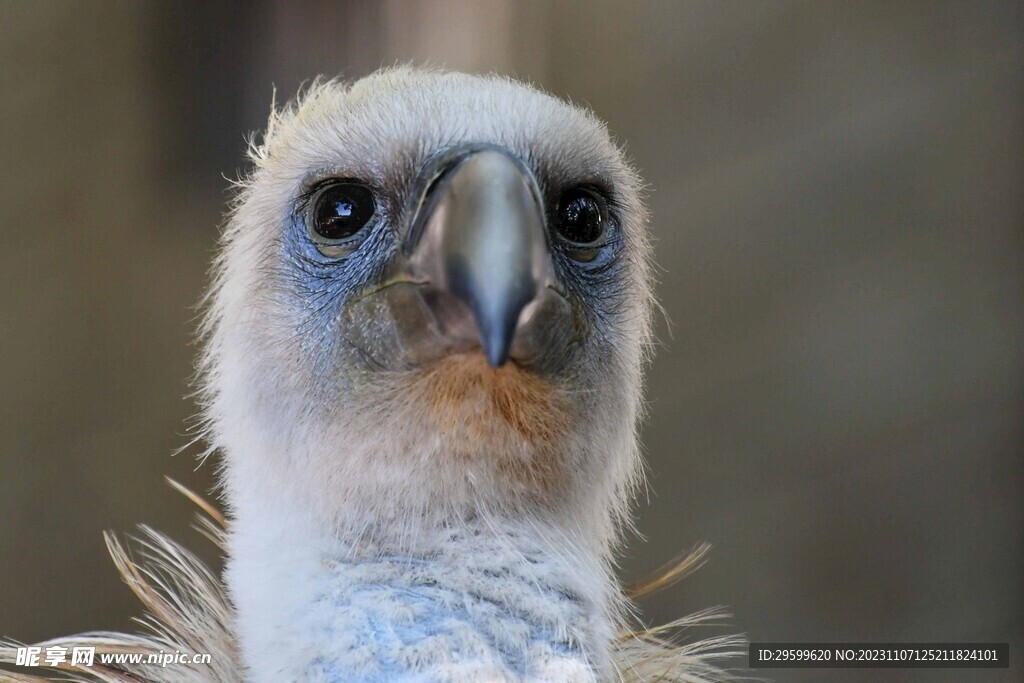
(432, 301)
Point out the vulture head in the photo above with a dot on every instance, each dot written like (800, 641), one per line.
(431, 306)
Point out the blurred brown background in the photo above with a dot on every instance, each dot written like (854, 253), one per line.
(837, 198)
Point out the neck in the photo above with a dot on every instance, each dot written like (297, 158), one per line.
(478, 599)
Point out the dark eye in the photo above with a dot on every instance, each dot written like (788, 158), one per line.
(337, 213)
(582, 220)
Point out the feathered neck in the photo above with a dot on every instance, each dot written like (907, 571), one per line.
(477, 599)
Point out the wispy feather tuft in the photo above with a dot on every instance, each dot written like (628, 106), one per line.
(186, 610)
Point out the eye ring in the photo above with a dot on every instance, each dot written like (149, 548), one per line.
(337, 216)
(583, 223)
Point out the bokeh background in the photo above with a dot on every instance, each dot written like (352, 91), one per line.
(838, 202)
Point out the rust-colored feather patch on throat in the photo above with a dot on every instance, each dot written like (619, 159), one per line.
(521, 419)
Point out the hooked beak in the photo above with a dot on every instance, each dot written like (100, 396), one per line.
(478, 238)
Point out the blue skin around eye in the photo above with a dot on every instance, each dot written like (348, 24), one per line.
(321, 285)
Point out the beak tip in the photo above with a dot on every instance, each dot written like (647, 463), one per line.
(497, 357)
(496, 347)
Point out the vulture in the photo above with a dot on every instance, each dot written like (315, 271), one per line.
(424, 347)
